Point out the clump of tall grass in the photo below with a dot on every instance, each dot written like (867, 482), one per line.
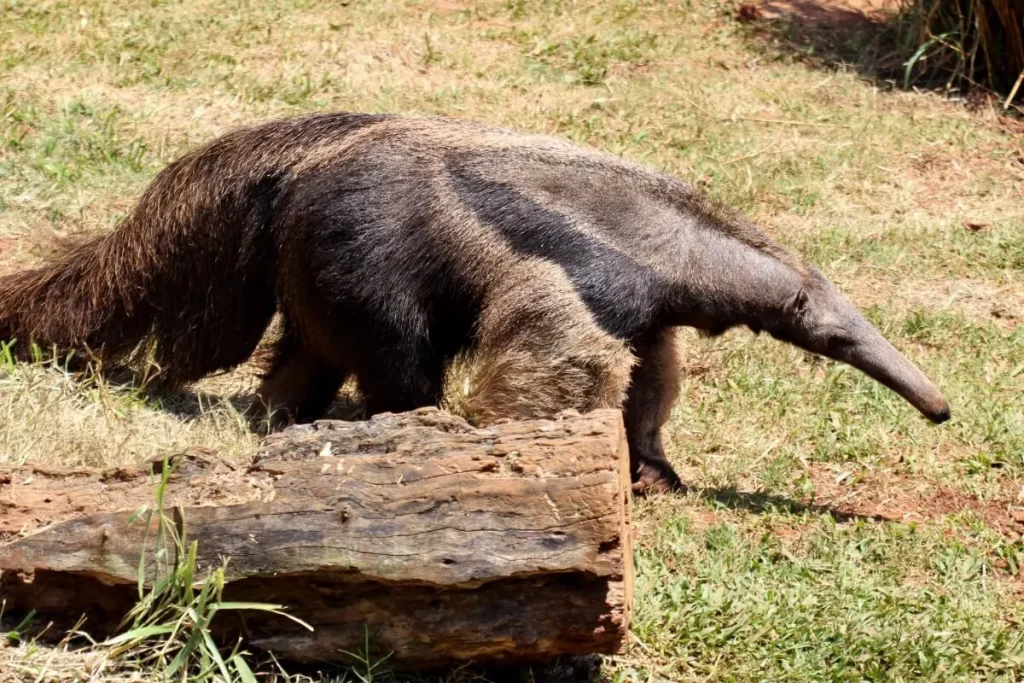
(169, 628)
(966, 43)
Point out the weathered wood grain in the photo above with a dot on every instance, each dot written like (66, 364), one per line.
(449, 543)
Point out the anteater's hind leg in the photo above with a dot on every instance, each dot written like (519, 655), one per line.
(652, 391)
(540, 351)
(298, 386)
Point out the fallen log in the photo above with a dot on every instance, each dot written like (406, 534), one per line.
(443, 542)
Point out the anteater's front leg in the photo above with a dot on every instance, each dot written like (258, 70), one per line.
(653, 389)
(540, 350)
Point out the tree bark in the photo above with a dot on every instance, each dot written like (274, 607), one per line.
(443, 542)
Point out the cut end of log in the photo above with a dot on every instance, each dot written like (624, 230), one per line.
(444, 542)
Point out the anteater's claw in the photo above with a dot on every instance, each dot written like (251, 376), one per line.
(656, 477)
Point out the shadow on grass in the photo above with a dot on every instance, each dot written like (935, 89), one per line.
(573, 669)
(762, 502)
(868, 36)
(189, 404)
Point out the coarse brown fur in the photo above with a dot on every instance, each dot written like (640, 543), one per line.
(390, 244)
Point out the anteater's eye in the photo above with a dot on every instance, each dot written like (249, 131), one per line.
(838, 343)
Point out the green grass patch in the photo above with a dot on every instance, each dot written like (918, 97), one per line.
(737, 601)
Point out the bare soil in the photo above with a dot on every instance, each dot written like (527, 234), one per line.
(902, 498)
(834, 13)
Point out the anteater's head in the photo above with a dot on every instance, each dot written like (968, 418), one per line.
(820, 319)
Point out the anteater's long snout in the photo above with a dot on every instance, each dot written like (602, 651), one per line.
(871, 353)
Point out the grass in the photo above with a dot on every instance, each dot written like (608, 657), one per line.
(967, 49)
(831, 534)
(168, 630)
(51, 417)
(849, 602)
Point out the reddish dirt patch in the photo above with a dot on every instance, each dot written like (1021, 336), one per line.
(833, 13)
(901, 498)
(703, 519)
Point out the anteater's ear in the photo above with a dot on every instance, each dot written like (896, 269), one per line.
(798, 304)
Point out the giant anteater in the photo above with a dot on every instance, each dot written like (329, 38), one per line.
(390, 244)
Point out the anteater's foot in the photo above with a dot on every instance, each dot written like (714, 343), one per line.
(656, 476)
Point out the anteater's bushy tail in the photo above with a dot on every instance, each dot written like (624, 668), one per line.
(187, 277)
